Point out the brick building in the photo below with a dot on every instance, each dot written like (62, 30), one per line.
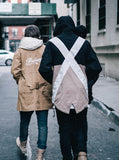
(15, 35)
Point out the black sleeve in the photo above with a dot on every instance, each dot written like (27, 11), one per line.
(93, 68)
(45, 68)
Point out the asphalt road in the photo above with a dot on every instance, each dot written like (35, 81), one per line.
(103, 135)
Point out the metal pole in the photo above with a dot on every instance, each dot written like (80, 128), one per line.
(72, 10)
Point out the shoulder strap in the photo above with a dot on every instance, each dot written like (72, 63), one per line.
(60, 45)
(77, 46)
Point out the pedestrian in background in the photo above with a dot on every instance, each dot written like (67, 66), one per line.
(82, 116)
(81, 31)
(69, 62)
(34, 93)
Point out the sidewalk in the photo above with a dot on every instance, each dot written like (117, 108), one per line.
(106, 97)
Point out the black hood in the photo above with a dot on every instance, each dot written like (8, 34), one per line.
(81, 31)
(64, 23)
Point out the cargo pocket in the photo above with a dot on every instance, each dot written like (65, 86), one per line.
(23, 87)
(47, 92)
(25, 94)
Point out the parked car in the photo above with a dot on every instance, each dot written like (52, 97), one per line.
(6, 57)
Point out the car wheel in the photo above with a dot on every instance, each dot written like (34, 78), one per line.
(8, 62)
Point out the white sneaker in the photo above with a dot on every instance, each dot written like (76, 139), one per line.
(40, 153)
(82, 156)
(21, 145)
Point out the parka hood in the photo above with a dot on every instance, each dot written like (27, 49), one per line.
(64, 23)
(30, 43)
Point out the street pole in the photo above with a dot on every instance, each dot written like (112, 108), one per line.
(70, 6)
(6, 31)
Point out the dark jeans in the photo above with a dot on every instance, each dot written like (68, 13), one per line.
(25, 118)
(73, 133)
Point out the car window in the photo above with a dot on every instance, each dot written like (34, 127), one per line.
(4, 53)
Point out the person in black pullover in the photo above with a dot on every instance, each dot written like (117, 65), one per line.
(70, 64)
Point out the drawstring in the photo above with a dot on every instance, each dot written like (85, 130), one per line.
(53, 111)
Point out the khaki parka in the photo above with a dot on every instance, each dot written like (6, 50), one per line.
(34, 93)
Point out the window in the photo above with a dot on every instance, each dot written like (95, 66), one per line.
(14, 32)
(3, 0)
(102, 14)
(45, 1)
(117, 11)
(23, 31)
(88, 15)
(78, 12)
(42, 1)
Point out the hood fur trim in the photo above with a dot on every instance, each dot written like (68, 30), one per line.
(30, 43)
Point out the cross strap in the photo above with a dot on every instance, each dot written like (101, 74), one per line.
(68, 62)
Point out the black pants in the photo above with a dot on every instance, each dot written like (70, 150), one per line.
(73, 133)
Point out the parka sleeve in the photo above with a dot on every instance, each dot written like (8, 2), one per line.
(46, 65)
(16, 66)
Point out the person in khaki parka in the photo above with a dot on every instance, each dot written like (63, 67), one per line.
(34, 93)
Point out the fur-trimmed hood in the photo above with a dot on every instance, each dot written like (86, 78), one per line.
(30, 43)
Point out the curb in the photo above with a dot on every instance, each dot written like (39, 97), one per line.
(110, 112)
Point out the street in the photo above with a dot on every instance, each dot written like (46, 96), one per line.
(103, 135)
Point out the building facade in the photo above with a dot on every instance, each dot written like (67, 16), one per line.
(61, 7)
(101, 17)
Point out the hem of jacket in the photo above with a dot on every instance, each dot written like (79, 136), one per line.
(35, 109)
(67, 112)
